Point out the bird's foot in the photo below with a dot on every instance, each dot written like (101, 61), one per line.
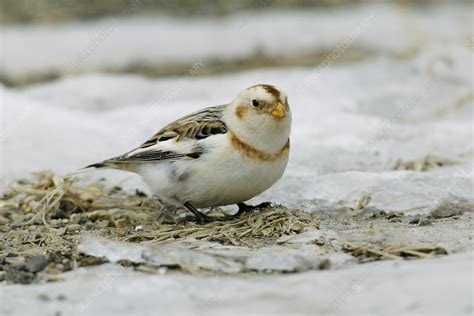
(244, 208)
(204, 219)
(200, 217)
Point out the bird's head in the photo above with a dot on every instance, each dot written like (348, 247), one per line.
(262, 99)
(261, 112)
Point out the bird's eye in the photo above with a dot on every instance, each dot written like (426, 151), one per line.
(255, 103)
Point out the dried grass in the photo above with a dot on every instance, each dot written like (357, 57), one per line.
(424, 164)
(49, 193)
(264, 225)
(390, 252)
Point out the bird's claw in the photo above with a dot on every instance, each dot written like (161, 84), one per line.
(265, 205)
(244, 208)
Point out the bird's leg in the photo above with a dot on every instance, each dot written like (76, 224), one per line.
(200, 216)
(244, 208)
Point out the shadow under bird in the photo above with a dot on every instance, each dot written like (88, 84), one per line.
(217, 156)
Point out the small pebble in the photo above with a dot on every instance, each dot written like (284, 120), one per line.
(324, 265)
(44, 297)
(36, 263)
(420, 222)
(447, 210)
(7, 245)
(61, 297)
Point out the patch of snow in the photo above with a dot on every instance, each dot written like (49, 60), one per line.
(113, 43)
(195, 256)
(421, 287)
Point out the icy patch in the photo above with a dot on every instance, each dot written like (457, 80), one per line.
(112, 250)
(390, 191)
(198, 255)
(433, 286)
(285, 259)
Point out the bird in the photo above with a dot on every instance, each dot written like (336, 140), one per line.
(217, 156)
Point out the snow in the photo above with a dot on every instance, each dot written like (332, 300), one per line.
(421, 287)
(116, 43)
(197, 256)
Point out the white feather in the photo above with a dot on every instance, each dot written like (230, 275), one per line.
(220, 177)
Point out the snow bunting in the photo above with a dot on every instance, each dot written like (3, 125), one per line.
(217, 156)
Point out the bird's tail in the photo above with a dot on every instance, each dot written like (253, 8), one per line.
(98, 165)
(110, 165)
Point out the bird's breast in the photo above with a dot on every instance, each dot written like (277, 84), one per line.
(251, 152)
(230, 175)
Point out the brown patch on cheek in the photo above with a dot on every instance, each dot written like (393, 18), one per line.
(240, 111)
(254, 153)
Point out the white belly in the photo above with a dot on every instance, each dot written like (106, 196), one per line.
(220, 177)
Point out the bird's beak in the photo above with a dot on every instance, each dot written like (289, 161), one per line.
(278, 111)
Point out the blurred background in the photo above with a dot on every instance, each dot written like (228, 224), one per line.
(47, 39)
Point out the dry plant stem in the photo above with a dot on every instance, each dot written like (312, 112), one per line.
(270, 224)
(394, 251)
(59, 191)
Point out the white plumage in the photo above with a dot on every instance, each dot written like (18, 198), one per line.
(217, 156)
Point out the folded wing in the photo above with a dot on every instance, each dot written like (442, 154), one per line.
(178, 140)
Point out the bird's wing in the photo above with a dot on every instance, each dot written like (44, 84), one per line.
(197, 125)
(177, 140)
